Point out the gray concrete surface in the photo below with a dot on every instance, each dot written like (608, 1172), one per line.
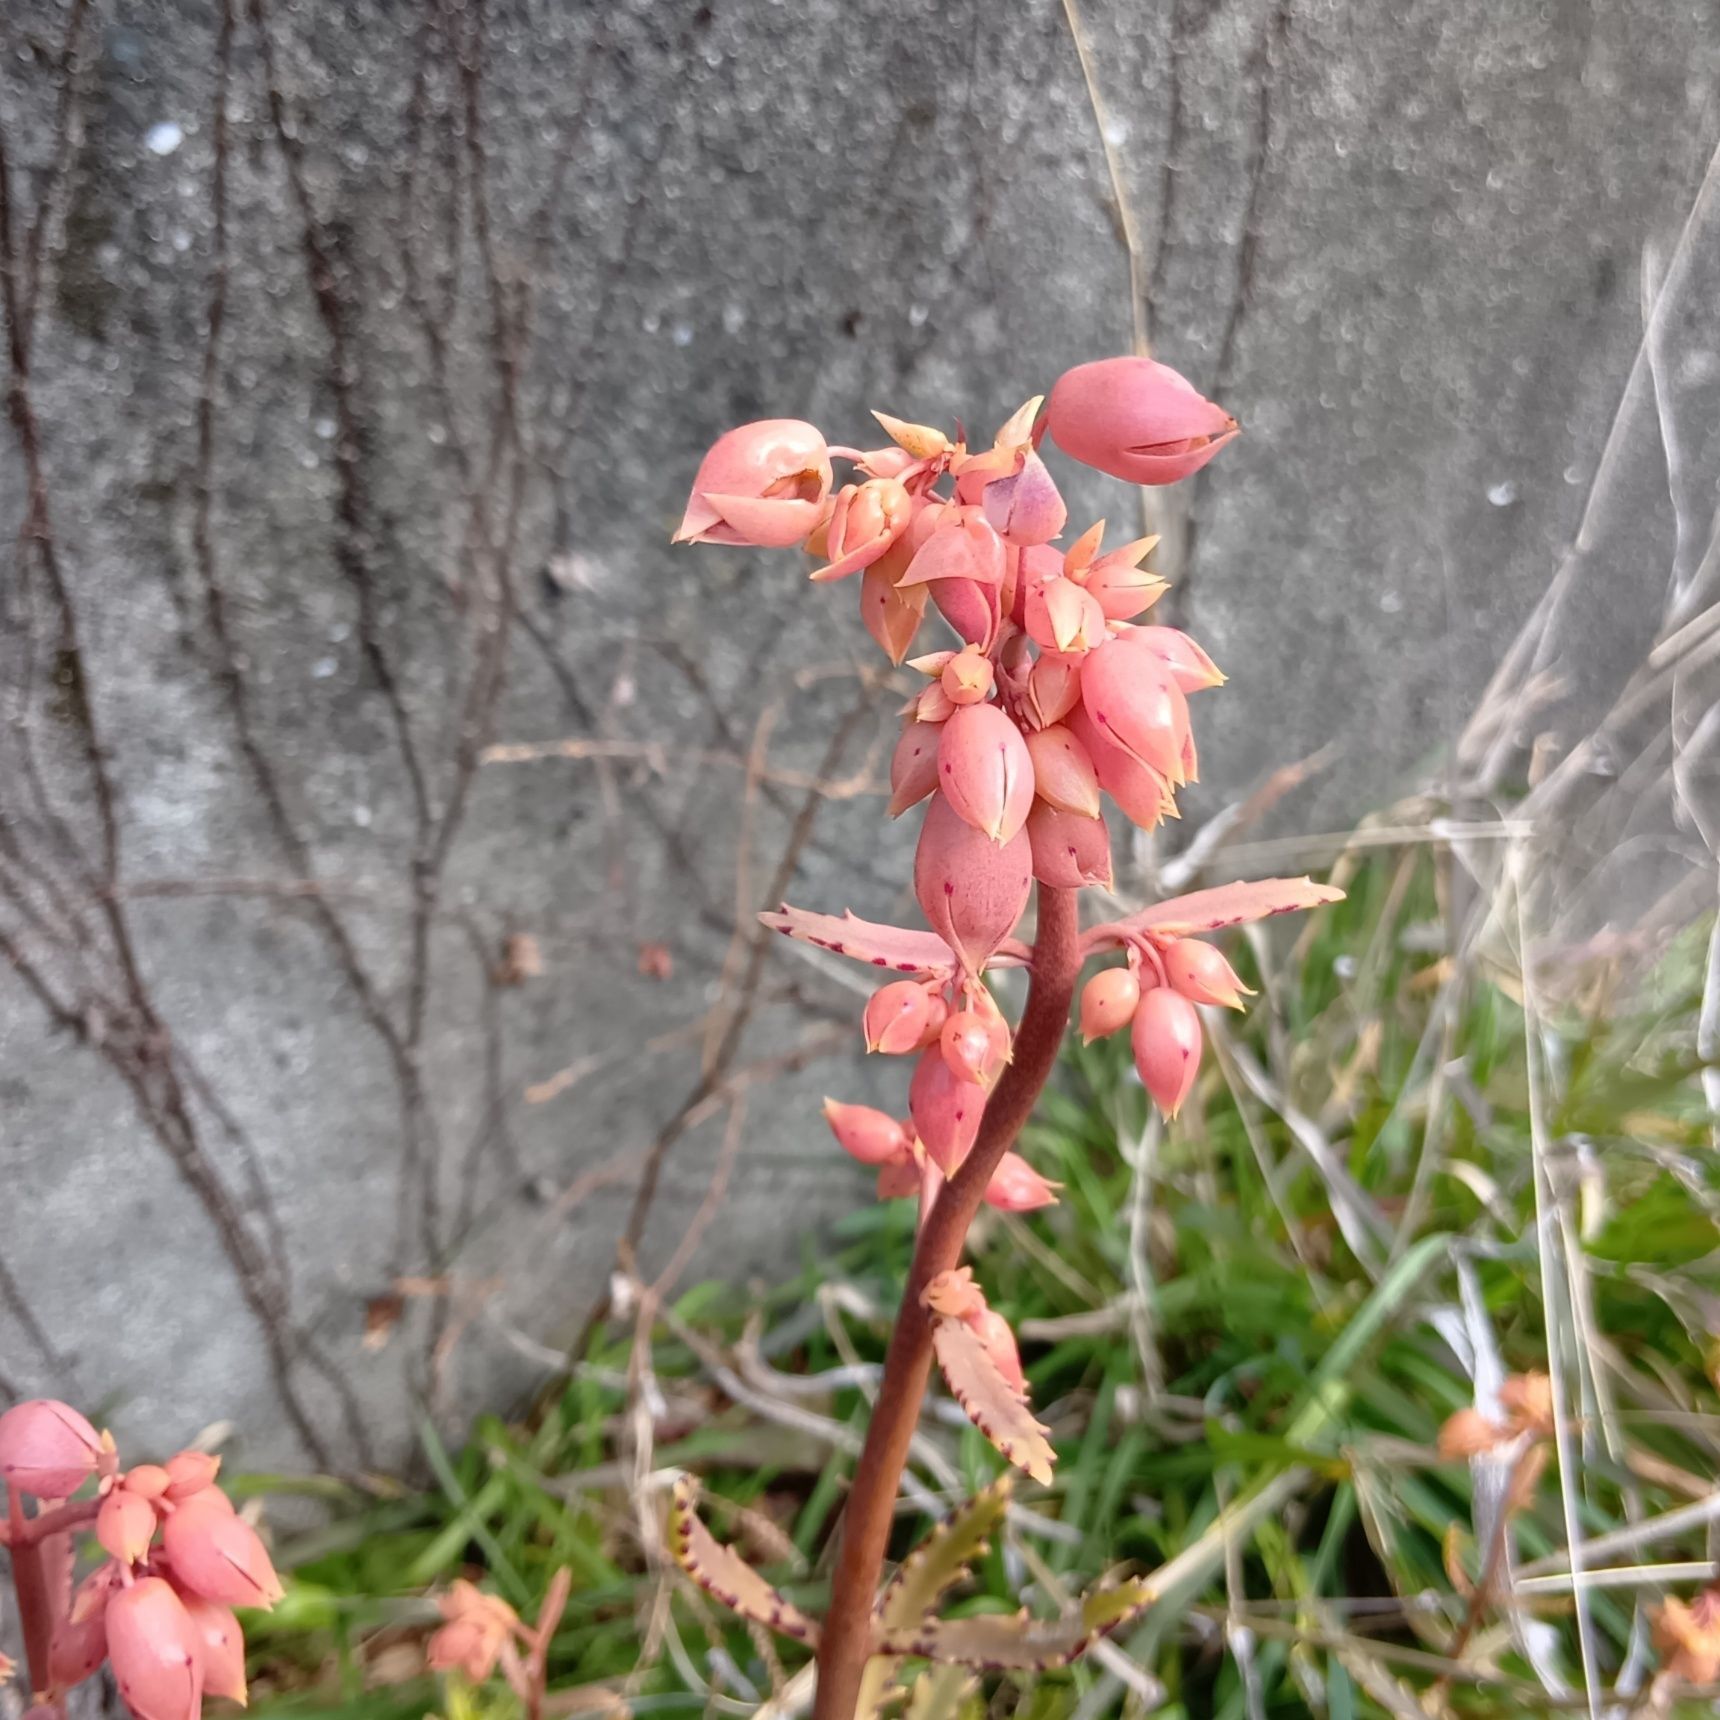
(453, 309)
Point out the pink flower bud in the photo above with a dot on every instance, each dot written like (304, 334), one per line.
(984, 770)
(970, 606)
(1141, 792)
(1016, 1186)
(478, 1625)
(934, 705)
(191, 1472)
(961, 546)
(1054, 687)
(1063, 773)
(946, 1110)
(968, 676)
(1202, 975)
(47, 1448)
(975, 1046)
(1108, 1002)
(1134, 701)
(79, 1644)
(1120, 586)
(865, 520)
(157, 1652)
(898, 1180)
(1069, 851)
(1187, 664)
(1063, 616)
(223, 1648)
(913, 766)
(971, 890)
(872, 1137)
(216, 1554)
(761, 483)
(125, 1525)
(146, 1480)
(1025, 508)
(891, 615)
(1166, 1040)
(896, 1017)
(1136, 419)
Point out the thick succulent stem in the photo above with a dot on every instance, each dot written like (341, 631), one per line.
(846, 1641)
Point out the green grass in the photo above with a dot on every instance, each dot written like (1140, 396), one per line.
(1201, 1333)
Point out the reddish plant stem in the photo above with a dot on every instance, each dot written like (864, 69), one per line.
(846, 1640)
(32, 1587)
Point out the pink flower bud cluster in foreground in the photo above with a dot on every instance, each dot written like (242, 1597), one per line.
(159, 1610)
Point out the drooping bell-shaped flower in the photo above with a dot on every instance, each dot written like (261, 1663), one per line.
(1108, 1002)
(896, 1017)
(1186, 663)
(762, 483)
(995, 1334)
(1136, 419)
(125, 1525)
(962, 545)
(1070, 852)
(864, 521)
(971, 889)
(1132, 699)
(901, 1177)
(146, 1480)
(156, 1651)
(223, 1647)
(913, 766)
(1143, 794)
(1063, 773)
(985, 771)
(79, 1643)
(892, 613)
(975, 1046)
(48, 1449)
(1016, 1186)
(1119, 584)
(946, 1110)
(1202, 974)
(1063, 616)
(968, 677)
(873, 1137)
(191, 1472)
(1025, 508)
(1053, 687)
(216, 1554)
(1166, 1040)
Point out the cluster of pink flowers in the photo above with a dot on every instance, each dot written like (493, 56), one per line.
(1056, 695)
(160, 1609)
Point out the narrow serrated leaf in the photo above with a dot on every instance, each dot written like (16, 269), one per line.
(990, 1402)
(1213, 910)
(997, 1642)
(724, 1574)
(939, 1692)
(897, 948)
(935, 1566)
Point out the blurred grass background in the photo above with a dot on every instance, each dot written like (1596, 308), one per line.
(1406, 1172)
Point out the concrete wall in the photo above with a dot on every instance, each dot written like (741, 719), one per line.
(361, 356)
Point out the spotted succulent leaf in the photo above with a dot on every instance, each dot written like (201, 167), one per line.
(724, 1574)
(1212, 910)
(997, 1642)
(989, 1397)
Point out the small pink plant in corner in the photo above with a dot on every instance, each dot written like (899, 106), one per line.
(1053, 695)
(159, 1608)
